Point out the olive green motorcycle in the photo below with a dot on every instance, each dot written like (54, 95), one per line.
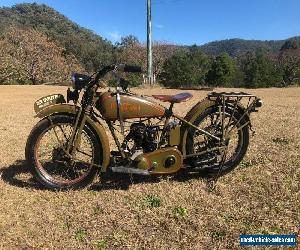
(70, 143)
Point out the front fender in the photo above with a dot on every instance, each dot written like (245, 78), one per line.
(199, 108)
(92, 121)
(57, 108)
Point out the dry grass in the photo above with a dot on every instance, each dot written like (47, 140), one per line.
(261, 196)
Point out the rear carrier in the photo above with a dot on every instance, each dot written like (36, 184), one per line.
(250, 102)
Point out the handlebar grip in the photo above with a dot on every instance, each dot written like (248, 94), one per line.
(132, 69)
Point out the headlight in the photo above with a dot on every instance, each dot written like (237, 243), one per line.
(79, 81)
(73, 79)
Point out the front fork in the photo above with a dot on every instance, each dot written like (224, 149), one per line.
(72, 144)
(75, 139)
(84, 111)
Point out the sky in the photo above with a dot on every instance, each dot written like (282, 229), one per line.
(183, 22)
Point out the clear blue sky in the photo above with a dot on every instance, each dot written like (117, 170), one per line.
(183, 21)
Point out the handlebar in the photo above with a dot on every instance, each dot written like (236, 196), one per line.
(119, 67)
(130, 68)
(101, 73)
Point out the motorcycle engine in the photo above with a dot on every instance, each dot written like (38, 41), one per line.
(143, 136)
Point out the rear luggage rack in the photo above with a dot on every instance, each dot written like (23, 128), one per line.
(229, 94)
(236, 97)
(233, 99)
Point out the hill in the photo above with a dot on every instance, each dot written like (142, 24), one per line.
(70, 47)
(90, 49)
(237, 46)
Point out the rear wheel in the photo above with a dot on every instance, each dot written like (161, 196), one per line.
(47, 157)
(232, 150)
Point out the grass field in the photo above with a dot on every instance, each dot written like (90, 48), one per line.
(260, 196)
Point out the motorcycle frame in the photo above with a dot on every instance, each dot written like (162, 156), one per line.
(168, 114)
(84, 112)
(221, 99)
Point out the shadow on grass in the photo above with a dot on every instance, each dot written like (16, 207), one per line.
(119, 181)
(19, 175)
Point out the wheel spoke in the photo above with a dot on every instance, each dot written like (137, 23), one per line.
(211, 123)
(55, 163)
(63, 133)
(81, 152)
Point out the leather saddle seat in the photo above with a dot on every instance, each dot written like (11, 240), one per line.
(181, 97)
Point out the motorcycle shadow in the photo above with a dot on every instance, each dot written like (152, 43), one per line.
(18, 174)
(119, 181)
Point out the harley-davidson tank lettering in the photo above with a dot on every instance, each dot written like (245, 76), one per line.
(69, 145)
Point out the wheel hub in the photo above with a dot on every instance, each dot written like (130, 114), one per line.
(58, 154)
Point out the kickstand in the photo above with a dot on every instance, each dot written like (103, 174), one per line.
(131, 178)
(252, 130)
(212, 182)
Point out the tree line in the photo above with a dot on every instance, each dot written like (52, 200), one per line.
(39, 45)
(191, 67)
(31, 57)
(251, 70)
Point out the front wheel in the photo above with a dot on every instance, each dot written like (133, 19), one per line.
(46, 154)
(216, 158)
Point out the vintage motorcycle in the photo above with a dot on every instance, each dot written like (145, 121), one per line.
(69, 145)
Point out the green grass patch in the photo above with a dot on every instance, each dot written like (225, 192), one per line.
(153, 201)
(180, 212)
(101, 244)
(246, 164)
(97, 210)
(80, 234)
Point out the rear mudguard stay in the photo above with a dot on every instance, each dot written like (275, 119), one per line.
(93, 122)
(197, 110)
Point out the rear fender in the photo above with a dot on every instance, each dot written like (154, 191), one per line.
(91, 121)
(198, 109)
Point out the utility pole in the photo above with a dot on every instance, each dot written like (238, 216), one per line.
(149, 43)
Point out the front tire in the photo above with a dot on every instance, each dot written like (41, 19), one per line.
(46, 154)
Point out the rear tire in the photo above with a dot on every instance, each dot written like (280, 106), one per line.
(77, 174)
(240, 151)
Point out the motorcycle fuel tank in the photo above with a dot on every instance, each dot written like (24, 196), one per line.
(130, 107)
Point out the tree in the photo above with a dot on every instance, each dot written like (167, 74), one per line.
(27, 56)
(161, 52)
(259, 71)
(128, 41)
(289, 64)
(185, 68)
(289, 61)
(91, 50)
(131, 51)
(222, 71)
